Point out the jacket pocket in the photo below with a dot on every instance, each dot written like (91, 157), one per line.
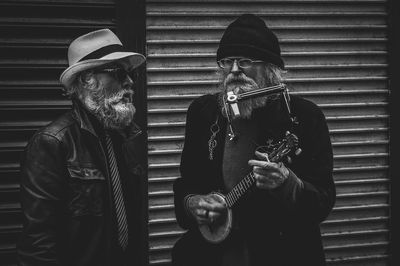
(87, 191)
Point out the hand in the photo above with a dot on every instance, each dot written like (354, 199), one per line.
(268, 175)
(206, 208)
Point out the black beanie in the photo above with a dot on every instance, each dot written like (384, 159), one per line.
(248, 36)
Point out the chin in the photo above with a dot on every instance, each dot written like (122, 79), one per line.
(120, 116)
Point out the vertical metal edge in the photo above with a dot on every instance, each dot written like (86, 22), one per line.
(131, 28)
(394, 83)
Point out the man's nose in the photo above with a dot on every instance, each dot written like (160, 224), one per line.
(235, 67)
(128, 82)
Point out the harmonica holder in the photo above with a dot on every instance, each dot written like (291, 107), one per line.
(231, 102)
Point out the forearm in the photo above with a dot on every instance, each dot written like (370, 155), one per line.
(304, 199)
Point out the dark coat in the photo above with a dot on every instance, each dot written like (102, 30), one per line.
(280, 227)
(66, 195)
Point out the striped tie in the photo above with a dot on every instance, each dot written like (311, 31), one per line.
(118, 196)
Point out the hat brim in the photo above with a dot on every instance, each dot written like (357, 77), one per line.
(131, 60)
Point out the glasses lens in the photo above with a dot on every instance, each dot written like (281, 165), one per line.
(121, 73)
(117, 73)
(225, 63)
(245, 63)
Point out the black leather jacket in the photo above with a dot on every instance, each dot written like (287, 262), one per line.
(65, 195)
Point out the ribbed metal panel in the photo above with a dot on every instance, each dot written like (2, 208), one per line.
(34, 36)
(336, 55)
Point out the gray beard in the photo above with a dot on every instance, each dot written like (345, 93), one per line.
(246, 107)
(111, 112)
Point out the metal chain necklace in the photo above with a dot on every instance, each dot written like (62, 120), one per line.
(212, 142)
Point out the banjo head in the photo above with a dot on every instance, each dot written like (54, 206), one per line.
(220, 229)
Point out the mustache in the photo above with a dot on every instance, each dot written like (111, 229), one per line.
(239, 81)
(118, 96)
(237, 78)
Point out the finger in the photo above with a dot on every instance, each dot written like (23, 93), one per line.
(212, 205)
(265, 165)
(262, 164)
(261, 171)
(204, 203)
(201, 220)
(218, 199)
(200, 212)
(262, 156)
(213, 215)
(265, 185)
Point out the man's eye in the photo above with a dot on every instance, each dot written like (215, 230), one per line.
(227, 61)
(245, 62)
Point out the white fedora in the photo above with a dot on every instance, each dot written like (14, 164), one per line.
(95, 49)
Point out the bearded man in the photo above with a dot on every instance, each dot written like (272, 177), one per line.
(80, 176)
(271, 159)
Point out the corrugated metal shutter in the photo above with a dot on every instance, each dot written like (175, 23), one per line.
(336, 53)
(34, 36)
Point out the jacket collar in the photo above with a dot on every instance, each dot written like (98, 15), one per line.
(81, 115)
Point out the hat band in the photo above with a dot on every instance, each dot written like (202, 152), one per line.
(103, 52)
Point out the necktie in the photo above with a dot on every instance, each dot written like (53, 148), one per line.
(118, 196)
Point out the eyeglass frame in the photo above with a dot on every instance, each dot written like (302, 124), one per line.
(119, 73)
(238, 62)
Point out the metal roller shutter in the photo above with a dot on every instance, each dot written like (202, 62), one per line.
(336, 53)
(34, 36)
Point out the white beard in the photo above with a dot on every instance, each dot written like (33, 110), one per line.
(115, 111)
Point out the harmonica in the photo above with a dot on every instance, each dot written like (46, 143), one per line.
(232, 99)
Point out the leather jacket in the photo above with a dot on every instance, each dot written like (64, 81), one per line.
(66, 195)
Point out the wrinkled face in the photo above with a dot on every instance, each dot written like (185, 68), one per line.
(108, 95)
(242, 75)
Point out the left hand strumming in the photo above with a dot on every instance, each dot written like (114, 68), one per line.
(269, 175)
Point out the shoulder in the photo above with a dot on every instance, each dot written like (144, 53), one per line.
(204, 102)
(306, 109)
(205, 106)
(55, 131)
(59, 127)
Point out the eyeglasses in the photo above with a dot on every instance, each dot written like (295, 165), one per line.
(241, 62)
(119, 73)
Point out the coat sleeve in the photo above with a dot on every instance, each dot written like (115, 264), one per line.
(188, 182)
(310, 195)
(41, 192)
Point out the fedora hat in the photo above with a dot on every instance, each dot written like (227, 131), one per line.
(95, 49)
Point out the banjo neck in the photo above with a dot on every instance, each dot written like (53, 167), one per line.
(240, 189)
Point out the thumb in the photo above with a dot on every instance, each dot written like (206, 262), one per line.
(262, 156)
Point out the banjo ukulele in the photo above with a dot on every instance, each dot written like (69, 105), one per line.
(219, 230)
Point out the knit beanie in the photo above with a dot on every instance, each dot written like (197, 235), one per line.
(248, 36)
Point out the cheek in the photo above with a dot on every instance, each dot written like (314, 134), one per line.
(111, 85)
(257, 74)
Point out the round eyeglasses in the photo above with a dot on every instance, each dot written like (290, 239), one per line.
(241, 62)
(119, 73)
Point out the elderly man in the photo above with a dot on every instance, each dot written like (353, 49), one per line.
(267, 153)
(80, 177)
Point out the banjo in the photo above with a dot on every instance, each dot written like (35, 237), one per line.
(220, 229)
